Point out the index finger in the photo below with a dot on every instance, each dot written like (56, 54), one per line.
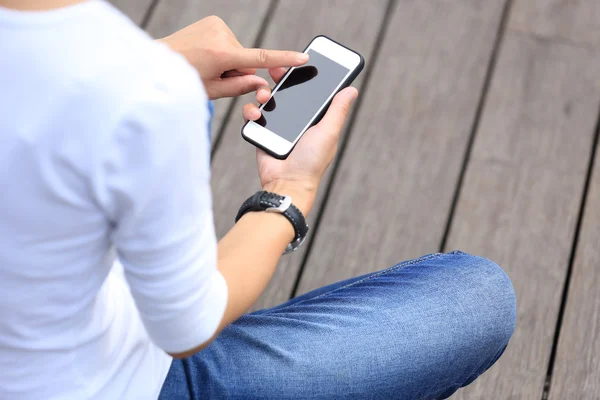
(262, 58)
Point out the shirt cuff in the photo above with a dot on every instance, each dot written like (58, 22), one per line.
(198, 323)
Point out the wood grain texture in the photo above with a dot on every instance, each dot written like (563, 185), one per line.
(134, 9)
(234, 168)
(522, 191)
(577, 365)
(244, 18)
(576, 21)
(394, 187)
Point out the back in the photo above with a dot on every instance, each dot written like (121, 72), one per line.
(69, 78)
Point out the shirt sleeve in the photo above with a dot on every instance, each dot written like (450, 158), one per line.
(153, 184)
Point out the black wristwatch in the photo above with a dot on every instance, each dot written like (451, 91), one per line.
(271, 202)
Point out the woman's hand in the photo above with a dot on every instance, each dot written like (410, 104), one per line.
(225, 66)
(300, 174)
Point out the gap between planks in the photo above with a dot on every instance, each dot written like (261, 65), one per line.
(230, 109)
(491, 68)
(565, 292)
(373, 57)
(148, 14)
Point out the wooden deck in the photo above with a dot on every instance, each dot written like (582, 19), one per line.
(476, 129)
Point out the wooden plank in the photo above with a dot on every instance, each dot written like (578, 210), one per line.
(522, 190)
(244, 18)
(134, 9)
(395, 183)
(576, 21)
(577, 362)
(294, 24)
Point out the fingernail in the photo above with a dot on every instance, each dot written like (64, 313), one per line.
(302, 57)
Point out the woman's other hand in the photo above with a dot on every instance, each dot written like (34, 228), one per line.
(227, 68)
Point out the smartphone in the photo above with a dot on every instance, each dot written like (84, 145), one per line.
(302, 96)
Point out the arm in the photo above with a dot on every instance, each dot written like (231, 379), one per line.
(186, 289)
(248, 256)
(165, 237)
(249, 253)
(255, 242)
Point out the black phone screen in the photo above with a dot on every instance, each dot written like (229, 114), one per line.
(301, 95)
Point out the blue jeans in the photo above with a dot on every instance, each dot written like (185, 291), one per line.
(419, 330)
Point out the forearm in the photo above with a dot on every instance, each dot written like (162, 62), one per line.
(249, 253)
(248, 256)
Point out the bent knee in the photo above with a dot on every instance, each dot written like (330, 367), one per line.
(490, 295)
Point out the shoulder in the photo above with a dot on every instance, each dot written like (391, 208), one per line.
(106, 65)
(128, 66)
(136, 100)
(123, 78)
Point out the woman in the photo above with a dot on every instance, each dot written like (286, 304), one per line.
(105, 155)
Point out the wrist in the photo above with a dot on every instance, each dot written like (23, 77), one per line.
(303, 195)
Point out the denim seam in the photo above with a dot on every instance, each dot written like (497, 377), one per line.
(375, 275)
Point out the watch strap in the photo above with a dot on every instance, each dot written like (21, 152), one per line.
(272, 202)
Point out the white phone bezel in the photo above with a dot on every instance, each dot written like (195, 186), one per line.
(326, 47)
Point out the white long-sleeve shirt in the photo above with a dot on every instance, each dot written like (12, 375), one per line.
(104, 153)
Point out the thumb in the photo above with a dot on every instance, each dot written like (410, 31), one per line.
(333, 121)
